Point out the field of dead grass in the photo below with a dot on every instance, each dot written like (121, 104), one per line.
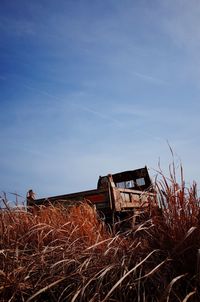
(67, 254)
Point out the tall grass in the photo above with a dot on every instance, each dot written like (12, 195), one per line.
(67, 254)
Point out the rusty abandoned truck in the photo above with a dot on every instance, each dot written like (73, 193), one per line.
(117, 195)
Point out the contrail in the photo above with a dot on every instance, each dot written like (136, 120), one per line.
(83, 108)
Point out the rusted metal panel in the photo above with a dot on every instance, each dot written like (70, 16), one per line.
(131, 199)
(117, 200)
(96, 198)
(95, 195)
(126, 197)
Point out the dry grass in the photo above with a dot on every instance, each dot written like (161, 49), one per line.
(67, 254)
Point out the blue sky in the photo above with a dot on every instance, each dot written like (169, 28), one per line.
(93, 87)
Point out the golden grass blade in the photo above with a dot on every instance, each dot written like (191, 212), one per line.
(169, 288)
(98, 243)
(152, 271)
(76, 295)
(68, 261)
(2, 273)
(45, 288)
(126, 275)
(99, 274)
(188, 296)
(189, 232)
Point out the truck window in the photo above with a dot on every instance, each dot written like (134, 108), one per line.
(140, 182)
(125, 184)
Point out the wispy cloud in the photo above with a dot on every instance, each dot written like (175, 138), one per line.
(43, 92)
(150, 78)
(76, 105)
(99, 114)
